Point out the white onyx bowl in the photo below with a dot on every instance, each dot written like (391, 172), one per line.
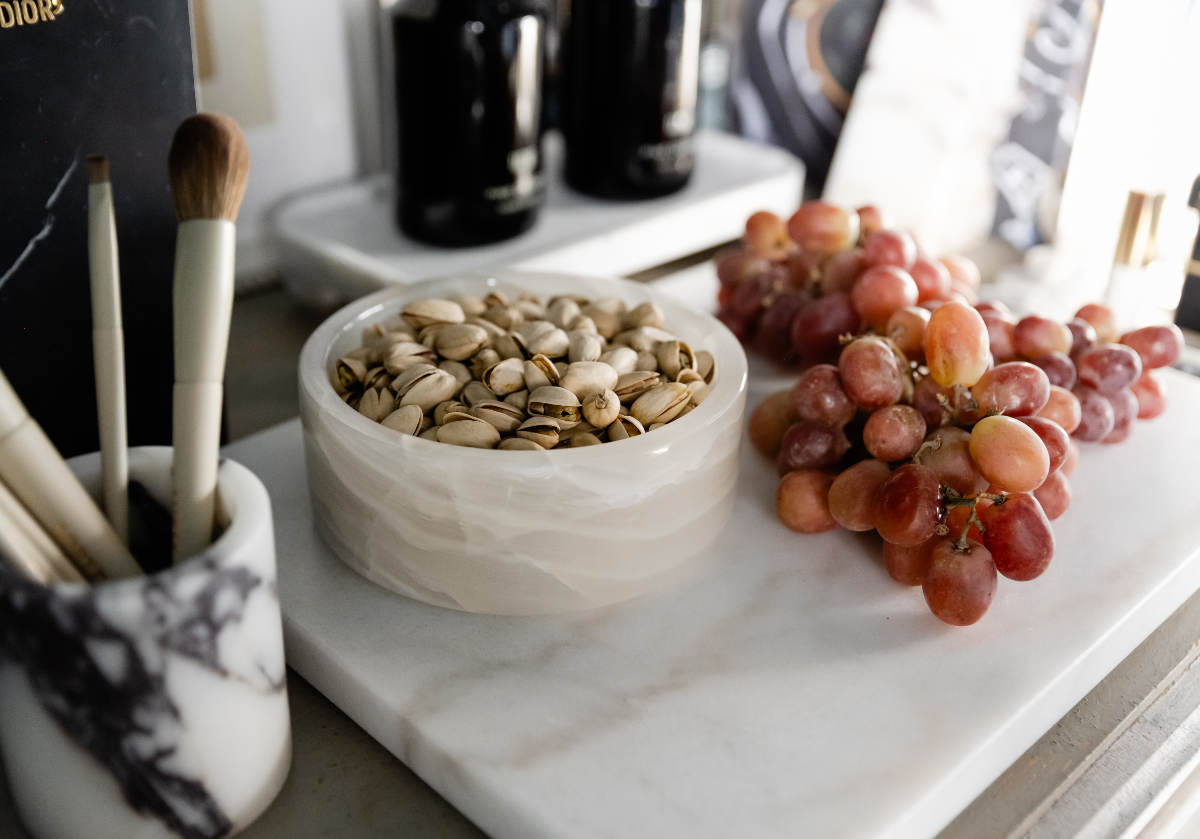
(520, 532)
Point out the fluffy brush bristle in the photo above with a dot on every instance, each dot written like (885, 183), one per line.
(97, 169)
(209, 164)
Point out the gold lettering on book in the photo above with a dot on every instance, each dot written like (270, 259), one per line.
(28, 12)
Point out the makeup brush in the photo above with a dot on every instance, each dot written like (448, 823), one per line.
(108, 345)
(28, 547)
(41, 479)
(209, 164)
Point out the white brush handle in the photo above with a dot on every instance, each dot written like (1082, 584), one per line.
(25, 541)
(108, 345)
(204, 258)
(38, 475)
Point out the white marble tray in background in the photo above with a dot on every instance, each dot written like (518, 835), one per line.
(792, 690)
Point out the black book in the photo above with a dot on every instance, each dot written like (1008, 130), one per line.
(111, 78)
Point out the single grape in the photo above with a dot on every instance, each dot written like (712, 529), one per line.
(907, 566)
(734, 266)
(959, 583)
(1158, 346)
(1125, 411)
(1151, 397)
(1009, 454)
(881, 290)
(1034, 336)
(906, 328)
(823, 228)
(932, 279)
(800, 501)
(748, 297)
(810, 445)
(1072, 459)
(1016, 388)
(934, 402)
(852, 494)
(803, 269)
(1018, 534)
(1096, 417)
(819, 326)
(956, 345)
(1109, 368)
(908, 505)
(839, 271)
(774, 335)
(947, 453)
(995, 307)
(889, 247)
(1000, 338)
(818, 395)
(1102, 319)
(870, 373)
(1083, 336)
(958, 520)
(733, 323)
(773, 416)
(1060, 369)
(870, 220)
(964, 273)
(1054, 495)
(767, 236)
(894, 432)
(1053, 437)
(1062, 407)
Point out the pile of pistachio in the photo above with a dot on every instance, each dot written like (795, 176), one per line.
(495, 372)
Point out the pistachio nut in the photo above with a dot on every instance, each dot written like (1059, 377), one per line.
(492, 329)
(699, 391)
(407, 419)
(584, 346)
(556, 402)
(400, 356)
(503, 417)
(460, 340)
(510, 345)
(428, 335)
(673, 356)
(349, 372)
(584, 439)
(586, 377)
(504, 316)
(471, 305)
(430, 433)
(495, 298)
(660, 404)
(643, 314)
(466, 430)
(422, 313)
(643, 338)
(562, 311)
(381, 336)
(539, 372)
(687, 375)
(621, 359)
(519, 399)
(582, 323)
(425, 386)
(476, 392)
(646, 361)
(375, 405)
(546, 338)
(505, 377)
(542, 430)
(601, 408)
(632, 385)
(376, 377)
(450, 406)
(561, 368)
(368, 355)
(531, 309)
(607, 319)
(654, 426)
(706, 365)
(625, 427)
(460, 372)
(482, 360)
(519, 444)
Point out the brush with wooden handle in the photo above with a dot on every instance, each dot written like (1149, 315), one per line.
(209, 164)
(29, 547)
(41, 479)
(108, 345)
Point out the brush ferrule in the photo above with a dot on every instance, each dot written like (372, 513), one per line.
(204, 259)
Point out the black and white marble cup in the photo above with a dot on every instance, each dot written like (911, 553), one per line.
(153, 706)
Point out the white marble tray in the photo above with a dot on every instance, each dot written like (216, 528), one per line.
(340, 242)
(791, 690)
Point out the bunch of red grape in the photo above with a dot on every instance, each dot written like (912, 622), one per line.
(946, 428)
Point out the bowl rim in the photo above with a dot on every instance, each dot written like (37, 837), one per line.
(729, 387)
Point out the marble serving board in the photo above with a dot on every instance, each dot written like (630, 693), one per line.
(789, 689)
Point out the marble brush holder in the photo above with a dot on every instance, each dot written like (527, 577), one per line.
(156, 706)
(520, 532)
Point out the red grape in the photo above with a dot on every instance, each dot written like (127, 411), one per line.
(1000, 337)
(1125, 411)
(906, 328)
(1018, 534)
(1035, 336)
(767, 236)
(1083, 336)
(1151, 397)
(804, 269)
(889, 247)
(818, 395)
(819, 325)
(1072, 459)
(1102, 319)
(907, 505)
(893, 432)
(1009, 454)
(810, 445)
(1109, 368)
(1016, 388)
(1060, 369)
(964, 273)
(773, 416)
(995, 307)
(881, 290)
(1053, 437)
(870, 220)
(1061, 407)
(774, 335)
(839, 271)
(1158, 346)
(907, 566)
(956, 345)
(1096, 416)
(801, 501)
(852, 494)
(948, 455)
(870, 372)
(928, 398)
(1054, 495)
(932, 279)
(734, 266)
(959, 584)
(823, 228)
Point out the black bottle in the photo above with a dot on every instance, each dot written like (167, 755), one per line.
(629, 82)
(469, 111)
